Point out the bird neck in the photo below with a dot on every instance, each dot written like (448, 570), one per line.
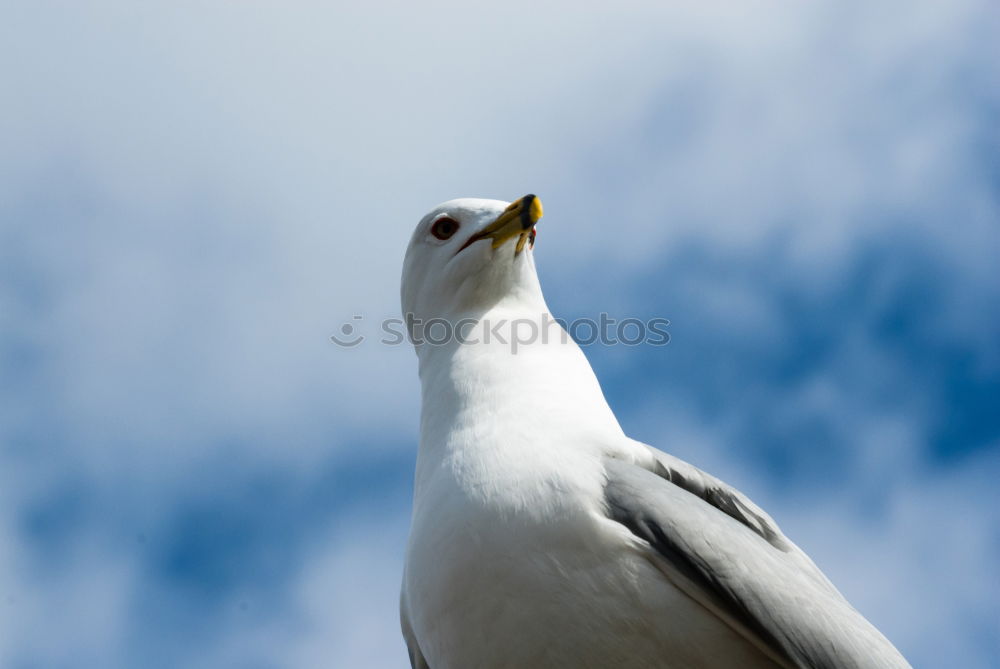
(514, 374)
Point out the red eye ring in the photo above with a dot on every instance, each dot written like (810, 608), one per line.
(444, 228)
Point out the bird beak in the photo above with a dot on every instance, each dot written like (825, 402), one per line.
(517, 220)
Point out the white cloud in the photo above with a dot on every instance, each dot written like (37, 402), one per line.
(74, 615)
(349, 593)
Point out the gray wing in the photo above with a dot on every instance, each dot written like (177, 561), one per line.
(726, 553)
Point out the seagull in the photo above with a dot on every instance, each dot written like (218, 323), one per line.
(542, 536)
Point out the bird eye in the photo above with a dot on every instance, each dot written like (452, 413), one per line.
(444, 228)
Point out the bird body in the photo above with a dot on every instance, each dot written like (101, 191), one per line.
(584, 595)
(542, 536)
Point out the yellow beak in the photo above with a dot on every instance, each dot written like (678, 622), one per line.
(517, 220)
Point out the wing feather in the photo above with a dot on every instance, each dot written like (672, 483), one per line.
(729, 555)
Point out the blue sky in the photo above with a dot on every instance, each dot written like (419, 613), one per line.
(194, 196)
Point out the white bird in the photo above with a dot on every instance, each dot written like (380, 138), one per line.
(544, 537)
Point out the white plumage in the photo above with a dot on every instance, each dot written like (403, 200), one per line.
(542, 536)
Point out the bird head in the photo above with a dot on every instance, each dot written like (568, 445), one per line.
(468, 255)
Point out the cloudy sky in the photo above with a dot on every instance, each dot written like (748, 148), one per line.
(195, 195)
